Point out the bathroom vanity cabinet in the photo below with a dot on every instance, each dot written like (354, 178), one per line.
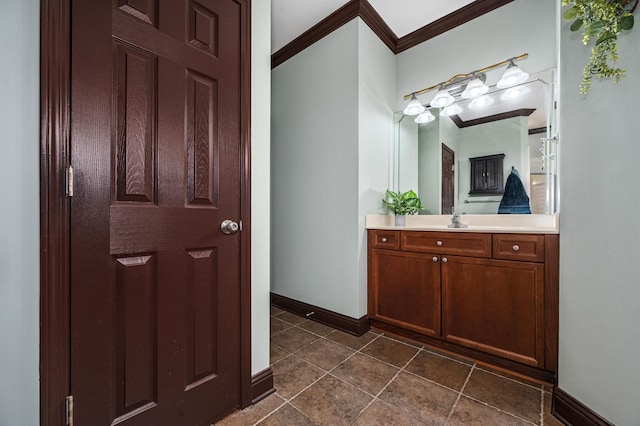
(491, 296)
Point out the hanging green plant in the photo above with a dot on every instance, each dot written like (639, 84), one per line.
(602, 20)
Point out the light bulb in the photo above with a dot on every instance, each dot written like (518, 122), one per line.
(474, 89)
(425, 117)
(442, 99)
(481, 102)
(414, 107)
(451, 110)
(512, 76)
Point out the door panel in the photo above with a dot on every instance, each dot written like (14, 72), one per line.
(448, 180)
(155, 284)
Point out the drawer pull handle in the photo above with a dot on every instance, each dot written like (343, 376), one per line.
(516, 247)
(435, 258)
(439, 243)
(384, 239)
(444, 260)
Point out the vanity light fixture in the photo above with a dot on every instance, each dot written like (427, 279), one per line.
(451, 110)
(475, 88)
(472, 85)
(425, 117)
(512, 75)
(414, 107)
(442, 98)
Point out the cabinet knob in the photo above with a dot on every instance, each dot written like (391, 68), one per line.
(434, 258)
(444, 260)
(516, 247)
(384, 239)
(439, 243)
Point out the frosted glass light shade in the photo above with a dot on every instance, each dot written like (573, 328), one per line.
(512, 76)
(414, 107)
(474, 89)
(481, 102)
(442, 99)
(425, 117)
(451, 110)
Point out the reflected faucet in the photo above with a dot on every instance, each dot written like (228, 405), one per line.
(455, 221)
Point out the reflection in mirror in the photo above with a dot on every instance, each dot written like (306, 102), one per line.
(513, 126)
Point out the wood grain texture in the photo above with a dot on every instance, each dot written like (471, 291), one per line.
(451, 243)
(135, 78)
(406, 290)
(54, 210)
(552, 300)
(524, 247)
(144, 10)
(203, 151)
(137, 329)
(55, 128)
(494, 306)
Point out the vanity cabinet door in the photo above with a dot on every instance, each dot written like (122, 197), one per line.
(494, 306)
(404, 290)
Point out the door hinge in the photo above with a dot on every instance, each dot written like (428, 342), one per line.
(453, 167)
(69, 406)
(69, 183)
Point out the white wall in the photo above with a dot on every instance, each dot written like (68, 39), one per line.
(498, 137)
(332, 124)
(523, 26)
(600, 236)
(430, 165)
(314, 174)
(407, 152)
(376, 92)
(19, 214)
(260, 182)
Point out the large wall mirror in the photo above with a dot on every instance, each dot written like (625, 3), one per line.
(514, 127)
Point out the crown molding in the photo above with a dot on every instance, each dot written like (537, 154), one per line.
(448, 22)
(523, 112)
(366, 12)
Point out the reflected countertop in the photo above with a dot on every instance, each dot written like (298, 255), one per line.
(494, 223)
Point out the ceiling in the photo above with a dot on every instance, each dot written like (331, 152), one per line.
(290, 18)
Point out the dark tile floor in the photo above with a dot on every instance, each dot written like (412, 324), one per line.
(326, 377)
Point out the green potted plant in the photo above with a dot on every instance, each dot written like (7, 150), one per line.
(602, 20)
(402, 204)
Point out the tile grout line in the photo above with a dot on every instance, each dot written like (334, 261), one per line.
(542, 405)
(288, 400)
(388, 383)
(455, 404)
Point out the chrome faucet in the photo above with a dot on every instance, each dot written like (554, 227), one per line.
(456, 222)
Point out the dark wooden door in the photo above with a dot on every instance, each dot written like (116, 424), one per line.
(448, 179)
(495, 306)
(155, 144)
(406, 290)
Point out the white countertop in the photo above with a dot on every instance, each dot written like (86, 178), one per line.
(495, 223)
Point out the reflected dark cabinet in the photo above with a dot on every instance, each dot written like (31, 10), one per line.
(487, 175)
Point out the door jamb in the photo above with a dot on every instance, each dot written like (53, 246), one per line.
(55, 44)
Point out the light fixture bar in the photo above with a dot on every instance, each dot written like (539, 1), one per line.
(461, 76)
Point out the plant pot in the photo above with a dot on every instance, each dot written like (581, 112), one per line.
(400, 219)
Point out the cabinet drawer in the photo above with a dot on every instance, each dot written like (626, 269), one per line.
(524, 247)
(385, 239)
(454, 243)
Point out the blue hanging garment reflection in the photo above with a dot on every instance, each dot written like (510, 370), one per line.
(515, 199)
